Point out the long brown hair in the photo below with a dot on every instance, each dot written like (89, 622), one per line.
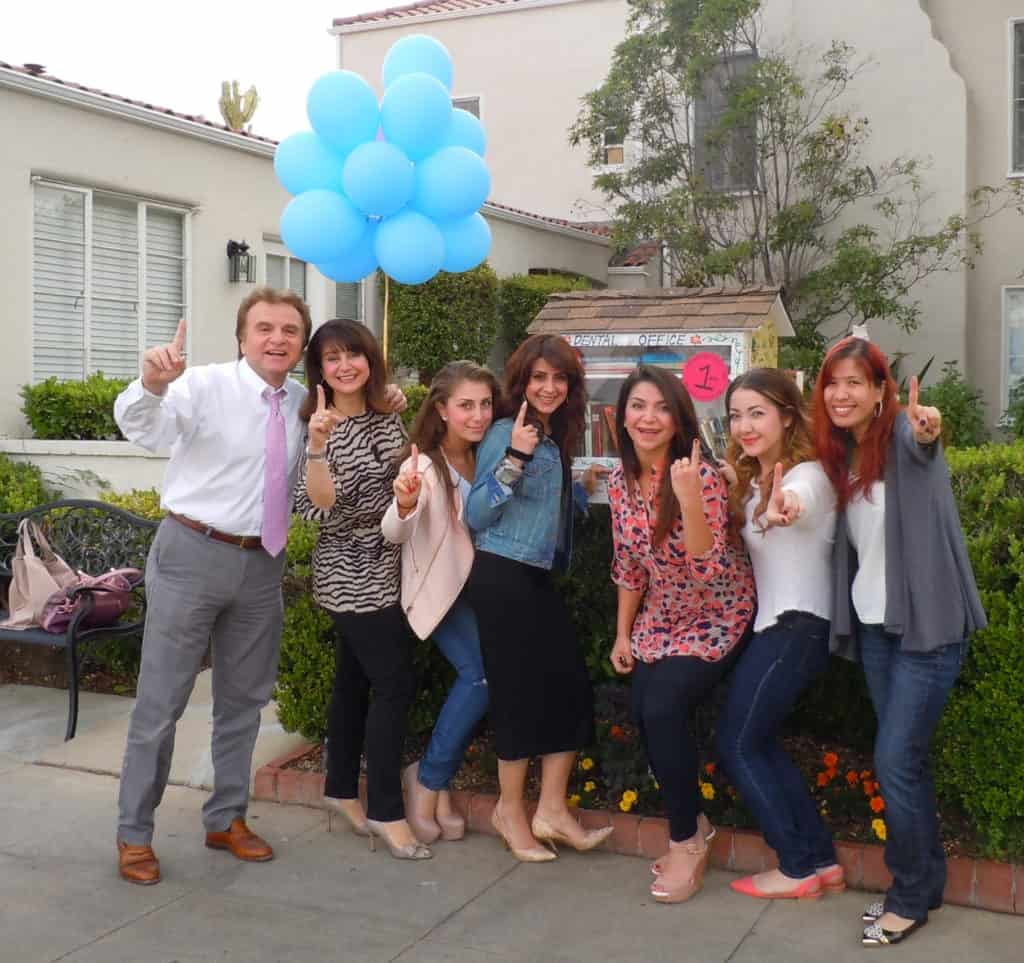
(834, 443)
(355, 338)
(567, 422)
(686, 429)
(780, 391)
(428, 430)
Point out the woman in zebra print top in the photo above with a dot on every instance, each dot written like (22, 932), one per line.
(346, 485)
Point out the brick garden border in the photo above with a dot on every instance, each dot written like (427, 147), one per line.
(979, 883)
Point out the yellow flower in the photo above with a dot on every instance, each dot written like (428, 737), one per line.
(573, 800)
(878, 825)
(589, 785)
(626, 805)
(707, 790)
(629, 796)
(586, 764)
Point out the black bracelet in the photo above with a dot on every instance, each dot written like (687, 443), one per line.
(523, 456)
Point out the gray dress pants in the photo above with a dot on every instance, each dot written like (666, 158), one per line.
(201, 592)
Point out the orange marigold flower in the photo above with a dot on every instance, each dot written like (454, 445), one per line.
(869, 787)
(709, 768)
(877, 804)
(831, 760)
(618, 733)
(865, 774)
(822, 779)
(831, 772)
(852, 778)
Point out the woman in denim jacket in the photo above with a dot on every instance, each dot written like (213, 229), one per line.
(520, 510)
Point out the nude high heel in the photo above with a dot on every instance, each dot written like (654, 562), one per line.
(425, 830)
(334, 807)
(549, 834)
(705, 826)
(415, 850)
(690, 886)
(535, 854)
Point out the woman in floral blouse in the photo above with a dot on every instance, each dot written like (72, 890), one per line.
(686, 600)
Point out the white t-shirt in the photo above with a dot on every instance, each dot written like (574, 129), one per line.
(866, 523)
(793, 565)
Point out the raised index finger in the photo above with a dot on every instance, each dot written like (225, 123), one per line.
(695, 454)
(777, 479)
(521, 416)
(414, 457)
(912, 399)
(179, 335)
(321, 399)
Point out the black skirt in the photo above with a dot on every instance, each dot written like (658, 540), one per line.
(541, 700)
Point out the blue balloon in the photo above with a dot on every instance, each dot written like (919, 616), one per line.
(409, 247)
(356, 264)
(378, 178)
(451, 184)
(321, 226)
(466, 243)
(342, 108)
(415, 114)
(418, 54)
(465, 131)
(303, 162)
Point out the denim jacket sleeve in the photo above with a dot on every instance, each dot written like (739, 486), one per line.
(488, 496)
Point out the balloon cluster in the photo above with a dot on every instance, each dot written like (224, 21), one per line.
(395, 185)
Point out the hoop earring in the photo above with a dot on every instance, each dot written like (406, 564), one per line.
(878, 409)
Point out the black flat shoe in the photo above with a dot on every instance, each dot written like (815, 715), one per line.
(876, 910)
(874, 935)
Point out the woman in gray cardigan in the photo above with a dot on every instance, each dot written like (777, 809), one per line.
(905, 603)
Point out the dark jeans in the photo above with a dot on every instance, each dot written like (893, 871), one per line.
(775, 668)
(665, 695)
(909, 691)
(374, 650)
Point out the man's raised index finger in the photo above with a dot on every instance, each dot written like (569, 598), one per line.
(179, 335)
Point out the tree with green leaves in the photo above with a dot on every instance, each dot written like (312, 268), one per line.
(746, 162)
(450, 316)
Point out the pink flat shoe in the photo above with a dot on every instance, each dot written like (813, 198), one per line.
(808, 889)
(833, 879)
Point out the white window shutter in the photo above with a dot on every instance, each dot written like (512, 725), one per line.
(114, 320)
(348, 300)
(165, 274)
(58, 284)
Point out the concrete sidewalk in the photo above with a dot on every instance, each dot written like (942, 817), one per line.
(327, 897)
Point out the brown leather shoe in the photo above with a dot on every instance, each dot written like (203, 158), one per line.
(138, 864)
(242, 842)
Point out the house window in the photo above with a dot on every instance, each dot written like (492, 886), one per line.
(1013, 337)
(613, 151)
(286, 273)
(348, 301)
(472, 104)
(1017, 97)
(109, 279)
(727, 159)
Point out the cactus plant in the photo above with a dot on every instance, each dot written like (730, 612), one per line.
(237, 108)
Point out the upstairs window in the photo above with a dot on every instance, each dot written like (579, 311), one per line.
(109, 279)
(727, 159)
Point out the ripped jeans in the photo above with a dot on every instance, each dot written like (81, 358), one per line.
(459, 641)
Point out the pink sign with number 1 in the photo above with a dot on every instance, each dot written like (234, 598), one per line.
(706, 376)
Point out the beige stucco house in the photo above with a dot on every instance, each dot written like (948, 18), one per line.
(946, 82)
(117, 217)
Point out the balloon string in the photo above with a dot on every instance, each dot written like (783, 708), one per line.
(385, 321)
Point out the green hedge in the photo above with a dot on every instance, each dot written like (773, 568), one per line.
(21, 486)
(82, 410)
(523, 295)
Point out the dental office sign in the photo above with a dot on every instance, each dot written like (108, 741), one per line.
(626, 339)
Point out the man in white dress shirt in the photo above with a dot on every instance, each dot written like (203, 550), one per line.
(213, 577)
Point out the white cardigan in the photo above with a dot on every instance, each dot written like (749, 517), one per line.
(437, 552)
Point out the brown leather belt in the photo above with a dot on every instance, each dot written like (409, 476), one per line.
(242, 541)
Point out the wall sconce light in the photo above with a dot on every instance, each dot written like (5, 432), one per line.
(241, 264)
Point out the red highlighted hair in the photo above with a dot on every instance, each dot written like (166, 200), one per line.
(834, 444)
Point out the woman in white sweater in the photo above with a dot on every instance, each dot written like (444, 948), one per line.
(426, 519)
(785, 507)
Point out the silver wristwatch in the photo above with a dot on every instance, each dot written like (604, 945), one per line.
(316, 455)
(508, 472)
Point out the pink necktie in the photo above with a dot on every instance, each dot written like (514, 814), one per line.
(274, 533)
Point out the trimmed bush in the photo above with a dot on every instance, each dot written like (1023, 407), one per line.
(80, 410)
(521, 296)
(21, 486)
(139, 501)
(981, 739)
(451, 316)
(414, 395)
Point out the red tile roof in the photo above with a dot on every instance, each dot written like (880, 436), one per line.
(597, 227)
(34, 70)
(424, 8)
(638, 255)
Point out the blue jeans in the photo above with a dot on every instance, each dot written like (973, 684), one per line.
(775, 668)
(909, 691)
(459, 642)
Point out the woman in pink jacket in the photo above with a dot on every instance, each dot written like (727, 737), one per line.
(425, 518)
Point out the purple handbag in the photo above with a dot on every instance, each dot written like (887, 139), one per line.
(111, 598)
